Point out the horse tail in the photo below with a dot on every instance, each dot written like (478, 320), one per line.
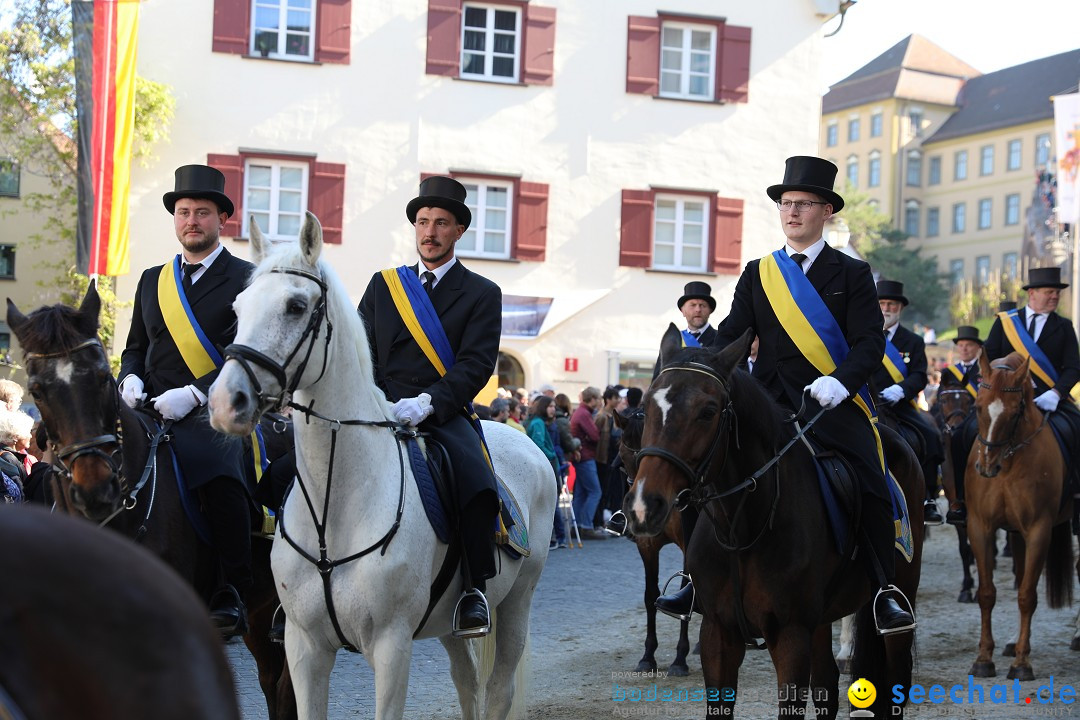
(484, 649)
(868, 659)
(1059, 567)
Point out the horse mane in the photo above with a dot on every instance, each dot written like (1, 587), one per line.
(759, 415)
(339, 309)
(54, 328)
(1011, 363)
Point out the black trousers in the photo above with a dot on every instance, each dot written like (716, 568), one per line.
(229, 515)
(933, 451)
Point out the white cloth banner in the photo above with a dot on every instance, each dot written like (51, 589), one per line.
(1067, 137)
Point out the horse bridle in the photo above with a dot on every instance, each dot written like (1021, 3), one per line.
(953, 392)
(1010, 447)
(246, 355)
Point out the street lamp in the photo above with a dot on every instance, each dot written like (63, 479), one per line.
(838, 234)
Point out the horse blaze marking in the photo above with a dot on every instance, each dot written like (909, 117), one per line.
(995, 410)
(660, 398)
(64, 370)
(639, 501)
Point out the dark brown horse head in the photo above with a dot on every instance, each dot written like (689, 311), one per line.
(687, 415)
(631, 423)
(71, 383)
(954, 402)
(1005, 407)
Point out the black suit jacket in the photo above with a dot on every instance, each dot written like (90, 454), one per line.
(913, 349)
(1057, 340)
(152, 354)
(707, 338)
(470, 308)
(847, 288)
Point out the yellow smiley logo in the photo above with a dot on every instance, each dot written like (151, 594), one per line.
(862, 693)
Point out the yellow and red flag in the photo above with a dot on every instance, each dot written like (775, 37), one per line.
(105, 35)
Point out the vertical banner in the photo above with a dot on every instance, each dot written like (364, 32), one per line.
(1067, 142)
(105, 34)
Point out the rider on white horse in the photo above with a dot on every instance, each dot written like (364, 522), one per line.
(468, 308)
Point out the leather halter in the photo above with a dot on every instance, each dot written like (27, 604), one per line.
(953, 392)
(246, 355)
(1011, 447)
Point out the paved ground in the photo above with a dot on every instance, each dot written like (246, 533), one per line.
(588, 629)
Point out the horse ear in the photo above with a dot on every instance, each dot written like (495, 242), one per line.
(91, 303)
(670, 344)
(259, 245)
(311, 239)
(620, 421)
(1022, 371)
(15, 319)
(736, 352)
(984, 366)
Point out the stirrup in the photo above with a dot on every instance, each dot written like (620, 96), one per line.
(685, 617)
(278, 611)
(460, 632)
(625, 524)
(889, 589)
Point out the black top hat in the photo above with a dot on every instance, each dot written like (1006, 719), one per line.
(1006, 305)
(967, 332)
(891, 290)
(809, 174)
(697, 290)
(199, 181)
(1045, 277)
(441, 192)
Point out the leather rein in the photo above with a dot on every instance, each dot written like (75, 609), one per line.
(1011, 448)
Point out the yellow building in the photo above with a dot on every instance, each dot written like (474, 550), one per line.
(959, 160)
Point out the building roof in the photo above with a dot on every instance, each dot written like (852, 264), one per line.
(1013, 96)
(913, 69)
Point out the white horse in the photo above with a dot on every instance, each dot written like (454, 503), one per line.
(296, 315)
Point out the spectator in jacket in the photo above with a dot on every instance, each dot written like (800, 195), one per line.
(587, 485)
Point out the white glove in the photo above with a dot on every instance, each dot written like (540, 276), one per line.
(413, 411)
(893, 394)
(1048, 401)
(175, 404)
(131, 390)
(828, 391)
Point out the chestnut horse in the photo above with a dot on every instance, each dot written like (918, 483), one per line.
(1014, 480)
(763, 557)
(649, 549)
(104, 449)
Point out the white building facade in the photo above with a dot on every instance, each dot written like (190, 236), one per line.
(613, 151)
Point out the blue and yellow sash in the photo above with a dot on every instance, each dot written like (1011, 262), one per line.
(688, 340)
(893, 361)
(969, 385)
(814, 330)
(1024, 344)
(418, 314)
(199, 354)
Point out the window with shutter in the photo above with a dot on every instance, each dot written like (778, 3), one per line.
(300, 30)
(681, 231)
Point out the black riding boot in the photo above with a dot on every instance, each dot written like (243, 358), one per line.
(680, 604)
(472, 617)
(878, 532)
(230, 528)
(931, 514)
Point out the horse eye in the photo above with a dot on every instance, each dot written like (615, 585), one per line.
(708, 412)
(296, 307)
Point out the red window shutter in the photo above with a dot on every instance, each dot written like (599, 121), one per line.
(327, 199)
(231, 26)
(538, 49)
(643, 55)
(444, 37)
(727, 235)
(635, 244)
(733, 70)
(232, 167)
(529, 240)
(334, 18)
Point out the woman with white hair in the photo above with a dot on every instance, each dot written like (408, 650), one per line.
(15, 429)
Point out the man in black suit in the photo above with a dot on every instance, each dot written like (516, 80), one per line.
(907, 359)
(966, 372)
(469, 308)
(696, 305)
(156, 365)
(806, 201)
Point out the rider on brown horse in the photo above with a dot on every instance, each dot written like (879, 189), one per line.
(897, 382)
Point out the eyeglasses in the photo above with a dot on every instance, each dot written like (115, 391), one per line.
(800, 205)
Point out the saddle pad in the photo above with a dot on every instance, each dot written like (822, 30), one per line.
(195, 516)
(1062, 429)
(839, 520)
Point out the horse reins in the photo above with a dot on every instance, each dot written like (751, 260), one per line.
(945, 419)
(1010, 447)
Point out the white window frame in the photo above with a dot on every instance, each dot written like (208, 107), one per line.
(1011, 200)
(913, 175)
(680, 225)
(873, 170)
(986, 213)
(851, 171)
(912, 218)
(933, 222)
(283, 31)
(959, 218)
(877, 123)
(854, 131)
(832, 134)
(275, 212)
(478, 205)
(488, 52)
(986, 160)
(933, 175)
(1015, 159)
(685, 73)
(960, 165)
(1042, 150)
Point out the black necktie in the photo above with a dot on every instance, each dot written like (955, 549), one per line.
(189, 270)
(696, 334)
(429, 281)
(1031, 325)
(799, 258)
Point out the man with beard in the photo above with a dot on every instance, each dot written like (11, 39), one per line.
(439, 306)
(182, 315)
(696, 305)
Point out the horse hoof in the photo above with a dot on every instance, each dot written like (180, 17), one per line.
(1023, 673)
(965, 597)
(844, 665)
(1009, 651)
(1075, 644)
(983, 669)
(645, 666)
(678, 670)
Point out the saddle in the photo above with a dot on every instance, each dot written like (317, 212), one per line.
(840, 493)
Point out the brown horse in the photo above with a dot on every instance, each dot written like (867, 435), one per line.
(93, 627)
(763, 558)
(1014, 480)
(649, 549)
(106, 450)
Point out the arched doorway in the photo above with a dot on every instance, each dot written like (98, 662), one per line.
(511, 374)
